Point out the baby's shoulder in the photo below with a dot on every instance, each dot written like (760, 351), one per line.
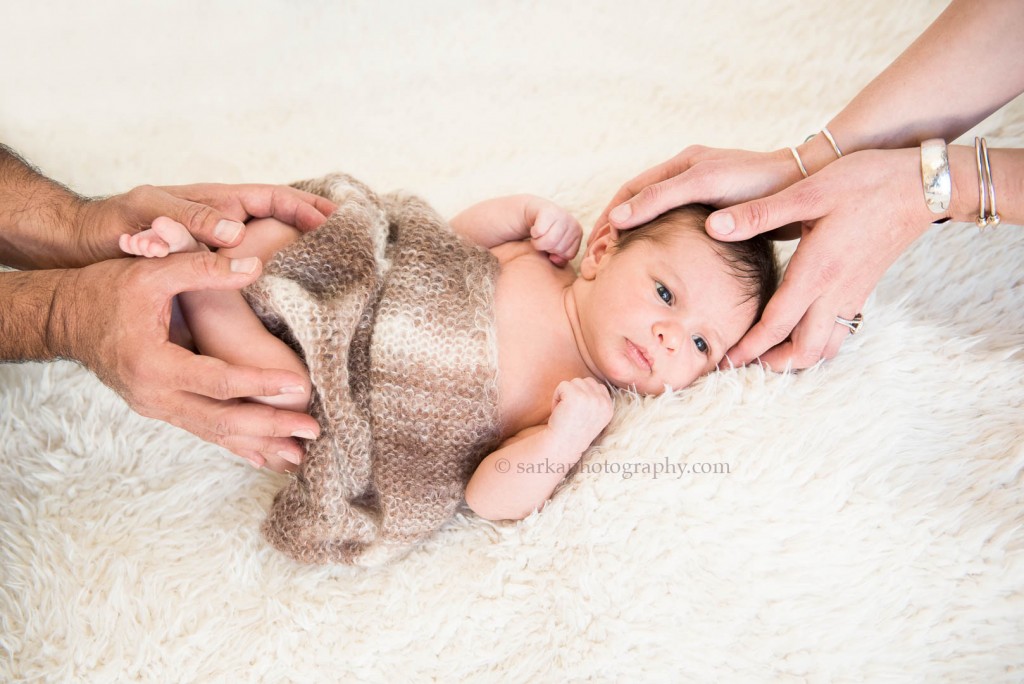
(509, 251)
(522, 258)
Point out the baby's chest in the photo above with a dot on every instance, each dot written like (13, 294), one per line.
(531, 354)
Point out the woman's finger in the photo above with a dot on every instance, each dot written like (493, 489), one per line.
(801, 202)
(783, 312)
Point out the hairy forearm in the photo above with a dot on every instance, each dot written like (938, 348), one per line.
(37, 215)
(965, 66)
(26, 313)
(518, 478)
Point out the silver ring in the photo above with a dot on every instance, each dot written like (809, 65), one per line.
(852, 323)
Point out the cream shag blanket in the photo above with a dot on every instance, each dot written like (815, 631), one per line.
(869, 527)
(394, 316)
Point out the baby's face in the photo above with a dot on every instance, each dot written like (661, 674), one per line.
(655, 315)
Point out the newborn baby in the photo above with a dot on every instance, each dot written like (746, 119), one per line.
(653, 308)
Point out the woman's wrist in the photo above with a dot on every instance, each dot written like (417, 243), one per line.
(817, 153)
(964, 195)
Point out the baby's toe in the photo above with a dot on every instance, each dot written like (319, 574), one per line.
(157, 248)
(175, 235)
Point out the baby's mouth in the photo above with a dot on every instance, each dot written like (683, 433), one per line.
(638, 356)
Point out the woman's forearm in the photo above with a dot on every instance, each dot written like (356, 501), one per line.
(1007, 177)
(965, 66)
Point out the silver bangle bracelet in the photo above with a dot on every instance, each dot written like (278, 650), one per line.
(799, 161)
(935, 178)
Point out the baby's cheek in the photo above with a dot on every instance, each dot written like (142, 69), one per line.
(685, 381)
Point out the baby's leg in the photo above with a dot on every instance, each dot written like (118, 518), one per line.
(220, 321)
(225, 326)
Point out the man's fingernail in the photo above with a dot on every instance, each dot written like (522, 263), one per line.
(723, 224)
(247, 265)
(227, 231)
(304, 434)
(621, 213)
(292, 389)
(290, 457)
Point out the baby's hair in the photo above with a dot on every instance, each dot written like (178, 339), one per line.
(752, 260)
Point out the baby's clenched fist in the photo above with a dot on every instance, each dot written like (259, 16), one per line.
(580, 409)
(556, 232)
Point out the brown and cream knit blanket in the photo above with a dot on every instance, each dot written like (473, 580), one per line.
(393, 314)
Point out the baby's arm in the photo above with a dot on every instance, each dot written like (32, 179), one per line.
(519, 477)
(549, 227)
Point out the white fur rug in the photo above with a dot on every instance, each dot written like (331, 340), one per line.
(869, 527)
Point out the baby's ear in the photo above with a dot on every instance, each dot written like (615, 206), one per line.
(598, 250)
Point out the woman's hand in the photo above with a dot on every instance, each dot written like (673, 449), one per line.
(699, 174)
(858, 215)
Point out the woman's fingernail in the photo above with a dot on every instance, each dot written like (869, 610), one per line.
(290, 457)
(304, 434)
(293, 389)
(723, 224)
(621, 213)
(247, 265)
(227, 231)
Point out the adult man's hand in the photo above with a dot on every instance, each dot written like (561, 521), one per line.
(114, 317)
(213, 213)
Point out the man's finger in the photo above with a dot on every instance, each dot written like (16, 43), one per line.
(234, 418)
(303, 210)
(178, 273)
(220, 422)
(797, 203)
(236, 203)
(218, 379)
(313, 211)
(206, 224)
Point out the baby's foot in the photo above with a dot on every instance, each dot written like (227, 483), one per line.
(165, 236)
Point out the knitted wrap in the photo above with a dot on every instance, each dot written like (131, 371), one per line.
(394, 316)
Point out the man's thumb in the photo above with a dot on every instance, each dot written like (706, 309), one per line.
(207, 224)
(207, 271)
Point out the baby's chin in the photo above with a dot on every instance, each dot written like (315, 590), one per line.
(652, 387)
(648, 389)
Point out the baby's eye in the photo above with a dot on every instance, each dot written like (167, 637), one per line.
(663, 292)
(701, 344)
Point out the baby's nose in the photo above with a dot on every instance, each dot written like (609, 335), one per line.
(669, 339)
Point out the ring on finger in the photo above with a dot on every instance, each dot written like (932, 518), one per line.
(852, 323)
